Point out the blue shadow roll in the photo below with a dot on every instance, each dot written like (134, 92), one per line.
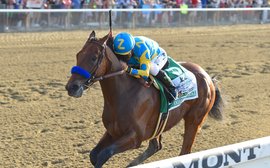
(80, 71)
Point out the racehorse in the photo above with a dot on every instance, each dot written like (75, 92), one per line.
(131, 110)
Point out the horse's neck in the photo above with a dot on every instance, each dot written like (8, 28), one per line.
(117, 89)
(114, 82)
(116, 85)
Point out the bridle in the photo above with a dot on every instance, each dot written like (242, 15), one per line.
(91, 79)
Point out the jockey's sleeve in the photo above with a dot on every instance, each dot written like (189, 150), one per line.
(145, 63)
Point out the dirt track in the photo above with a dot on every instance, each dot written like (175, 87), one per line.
(42, 127)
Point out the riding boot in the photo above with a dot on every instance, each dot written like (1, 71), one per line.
(165, 80)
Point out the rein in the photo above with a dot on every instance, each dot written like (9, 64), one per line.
(109, 75)
(91, 79)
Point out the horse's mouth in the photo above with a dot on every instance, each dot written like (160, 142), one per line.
(75, 92)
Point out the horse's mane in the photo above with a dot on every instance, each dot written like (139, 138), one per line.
(110, 42)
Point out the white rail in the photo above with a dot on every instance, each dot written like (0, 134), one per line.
(131, 10)
(248, 154)
(25, 20)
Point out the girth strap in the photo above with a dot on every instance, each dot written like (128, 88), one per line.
(161, 123)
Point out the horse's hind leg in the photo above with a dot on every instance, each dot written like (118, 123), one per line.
(193, 121)
(153, 147)
(197, 114)
(191, 130)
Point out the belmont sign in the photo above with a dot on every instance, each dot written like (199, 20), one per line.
(249, 154)
(220, 159)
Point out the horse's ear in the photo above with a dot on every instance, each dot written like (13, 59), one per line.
(92, 35)
(104, 39)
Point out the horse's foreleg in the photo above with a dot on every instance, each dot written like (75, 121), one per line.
(126, 142)
(103, 142)
(153, 147)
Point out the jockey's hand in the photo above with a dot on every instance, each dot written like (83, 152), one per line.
(124, 65)
(145, 83)
(128, 70)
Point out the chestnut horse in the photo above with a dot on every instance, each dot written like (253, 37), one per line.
(131, 110)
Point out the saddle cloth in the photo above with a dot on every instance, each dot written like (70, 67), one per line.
(185, 83)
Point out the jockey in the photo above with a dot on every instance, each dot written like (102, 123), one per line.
(145, 53)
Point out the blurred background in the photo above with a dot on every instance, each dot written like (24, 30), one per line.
(50, 15)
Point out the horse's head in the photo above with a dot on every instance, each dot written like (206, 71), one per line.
(92, 63)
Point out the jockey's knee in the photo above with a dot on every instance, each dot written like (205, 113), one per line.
(154, 69)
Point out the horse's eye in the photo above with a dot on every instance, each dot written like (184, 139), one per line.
(94, 59)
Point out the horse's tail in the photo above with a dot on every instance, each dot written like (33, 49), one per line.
(217, 110)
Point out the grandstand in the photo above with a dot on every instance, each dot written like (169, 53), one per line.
(157, 15)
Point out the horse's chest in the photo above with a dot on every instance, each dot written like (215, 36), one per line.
(115, 124)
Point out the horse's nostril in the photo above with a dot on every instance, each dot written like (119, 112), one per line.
(74, 87)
